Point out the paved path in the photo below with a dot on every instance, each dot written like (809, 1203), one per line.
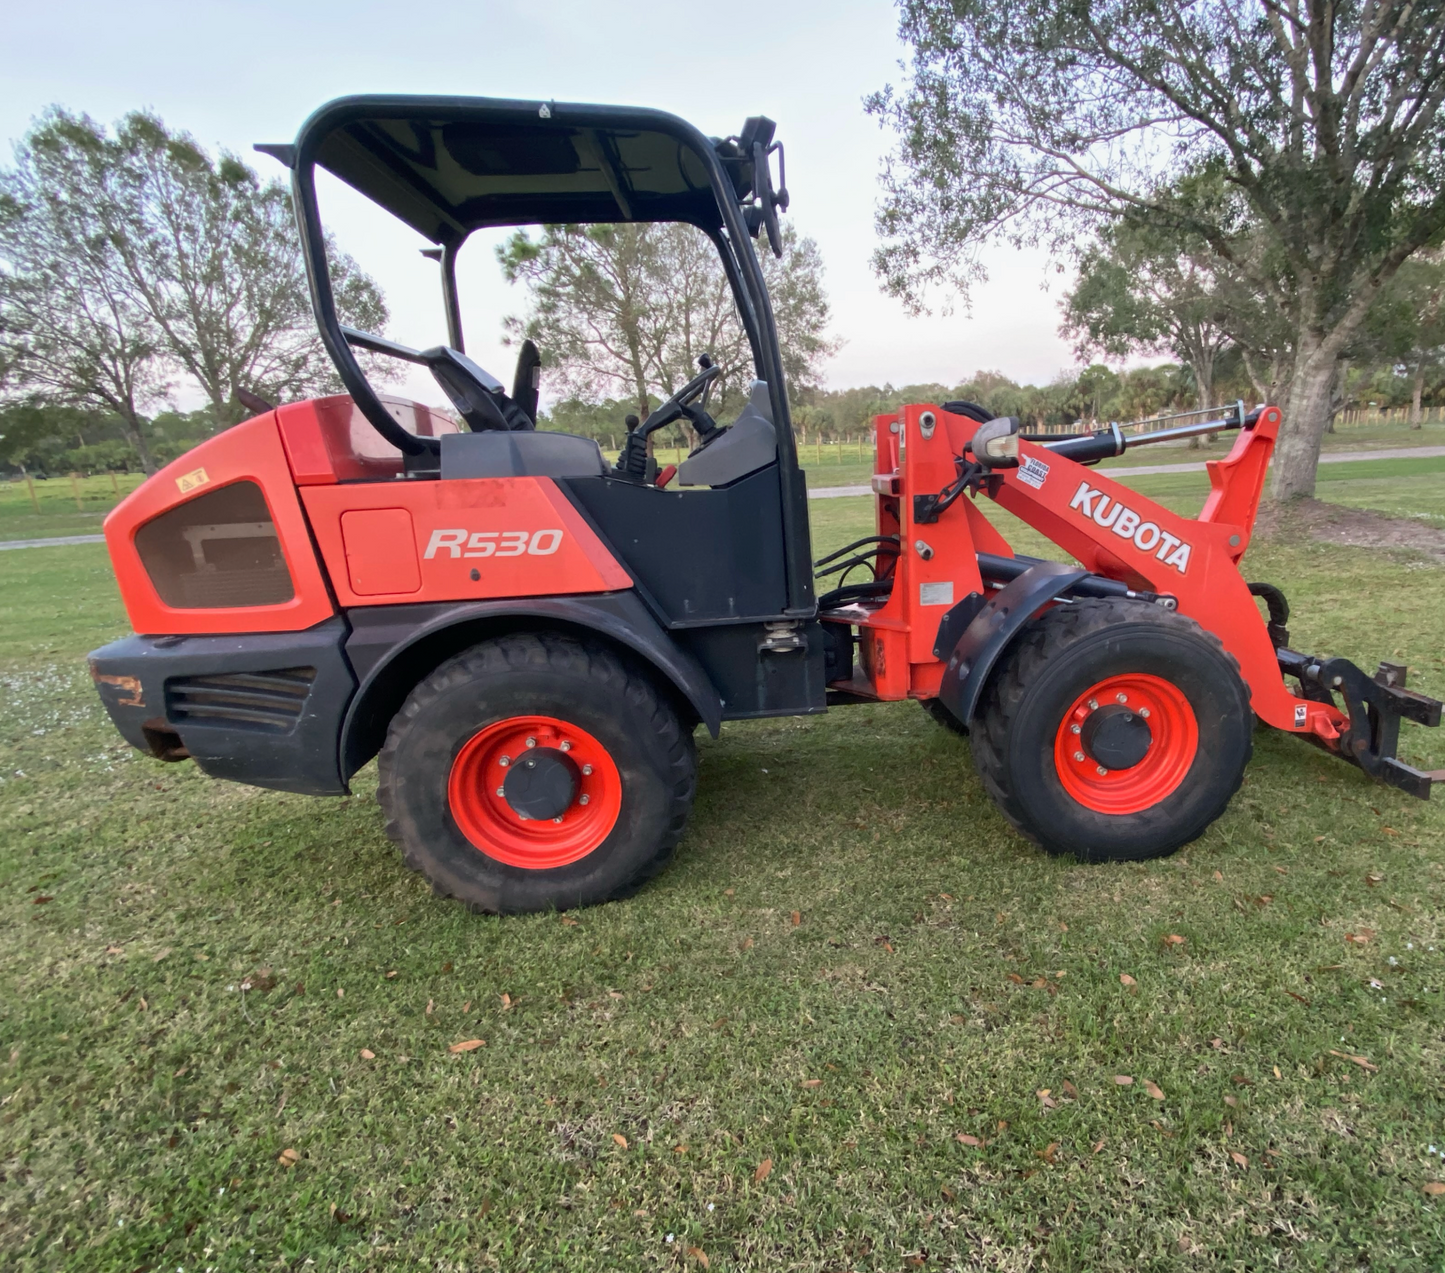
(1142, 470)
(836, 492)
(51, 543)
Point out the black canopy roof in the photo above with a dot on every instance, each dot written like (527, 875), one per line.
(447, 166)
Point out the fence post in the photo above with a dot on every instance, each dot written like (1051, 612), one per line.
(114, 485)
(34, 498)
(75, 489)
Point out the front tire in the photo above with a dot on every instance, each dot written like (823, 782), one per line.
(537, 772)
(1116, 731)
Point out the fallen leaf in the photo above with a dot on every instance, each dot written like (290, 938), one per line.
(155, 959)
(699, 1255)
(1363, 937)
(506, 1002)
(1216, 1043)
(1174, 939)
(468, 1045)
(1098, 1145)
(1358, 1060)
(1126, 980)
(289, 1158)
(1239, 1080)
(1219, 876)
(1301, 998)
(1154, 1090)
(729, 892)
(41, 900)
(620, 1139)
(1265, 899)
(761, 1174)
(1003, 1124)
(1044, 1091)
(963, 1138)
(1047, 1153)
(115, 950)
(1123, 1080)
(367, 1054)
(1239, 1158)
(1070, 1090)
(797, 918)
(391, 976)
(1373, 879)
(430, 1004)
(811, 1082)
(1434, 1188)
(1232, 1102)
(1016, 979)
(1277, 1074)
(569, 921)
(948, 1193)
(447, 967)
(679, 1149)
(144, 1006)
(340, 993)
(467, 1007)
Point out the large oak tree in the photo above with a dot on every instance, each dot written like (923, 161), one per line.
(1040, 122)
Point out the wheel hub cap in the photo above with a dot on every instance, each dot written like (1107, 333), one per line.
(1116, 737)
(541, 784)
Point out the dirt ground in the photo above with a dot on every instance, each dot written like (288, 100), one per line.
(1351, 527)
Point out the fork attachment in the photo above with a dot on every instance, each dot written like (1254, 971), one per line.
(1375, 707)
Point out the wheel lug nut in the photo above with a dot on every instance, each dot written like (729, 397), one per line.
(531, 742)
(501, 791)
(1075, 728)
(586, 769)
(505, 761)
(1093, 707)
(583, 799)
(1121, 698)
(1101, 771)
(1079, 756)
(556, 819)
(564, 746)
(1144, 711)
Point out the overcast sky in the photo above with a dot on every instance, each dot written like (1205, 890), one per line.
(233, 73)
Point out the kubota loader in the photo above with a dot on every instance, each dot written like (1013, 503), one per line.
(527, 635)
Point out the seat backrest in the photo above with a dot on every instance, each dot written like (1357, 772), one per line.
(520, 454)
(748, 444)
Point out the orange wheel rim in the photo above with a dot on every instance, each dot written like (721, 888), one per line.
(481, 810)
(1168, 745)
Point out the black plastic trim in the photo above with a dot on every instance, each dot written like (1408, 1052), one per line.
(240, 705)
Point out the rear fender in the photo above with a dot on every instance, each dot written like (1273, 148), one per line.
(392, 648)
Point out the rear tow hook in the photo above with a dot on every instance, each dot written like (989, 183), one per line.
(1376, 707)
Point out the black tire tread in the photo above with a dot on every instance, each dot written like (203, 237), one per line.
(1044, 641)
(558, 652)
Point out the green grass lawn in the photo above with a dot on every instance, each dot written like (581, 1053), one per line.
(857, 1025)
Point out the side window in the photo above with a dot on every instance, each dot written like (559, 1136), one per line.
(218, 551)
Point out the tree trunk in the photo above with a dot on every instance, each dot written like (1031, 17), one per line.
(133, 435)
(1306, 417)
(1415, 413)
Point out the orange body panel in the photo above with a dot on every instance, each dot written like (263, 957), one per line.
(1110, 529)
(467, 540)
(247, 452)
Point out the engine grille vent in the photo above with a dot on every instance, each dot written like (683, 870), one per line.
(268, 701)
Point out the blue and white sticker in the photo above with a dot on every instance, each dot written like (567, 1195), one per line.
(1032, 472)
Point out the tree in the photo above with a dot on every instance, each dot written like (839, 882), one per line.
(212, 252)
(624, 310)
(1322, 120)
(71, 331)
(1141, 292)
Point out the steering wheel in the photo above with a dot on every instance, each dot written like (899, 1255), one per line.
(632, 463)
(477, 395)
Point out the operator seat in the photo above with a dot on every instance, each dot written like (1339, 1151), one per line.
(748, 444)
(520, 453)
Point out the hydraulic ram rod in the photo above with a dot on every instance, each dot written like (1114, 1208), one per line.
(1113, 441)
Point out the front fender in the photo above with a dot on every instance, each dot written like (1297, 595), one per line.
(394, 647)
(995, 625)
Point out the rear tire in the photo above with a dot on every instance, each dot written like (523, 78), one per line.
(465, 729)
(1038, 748)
